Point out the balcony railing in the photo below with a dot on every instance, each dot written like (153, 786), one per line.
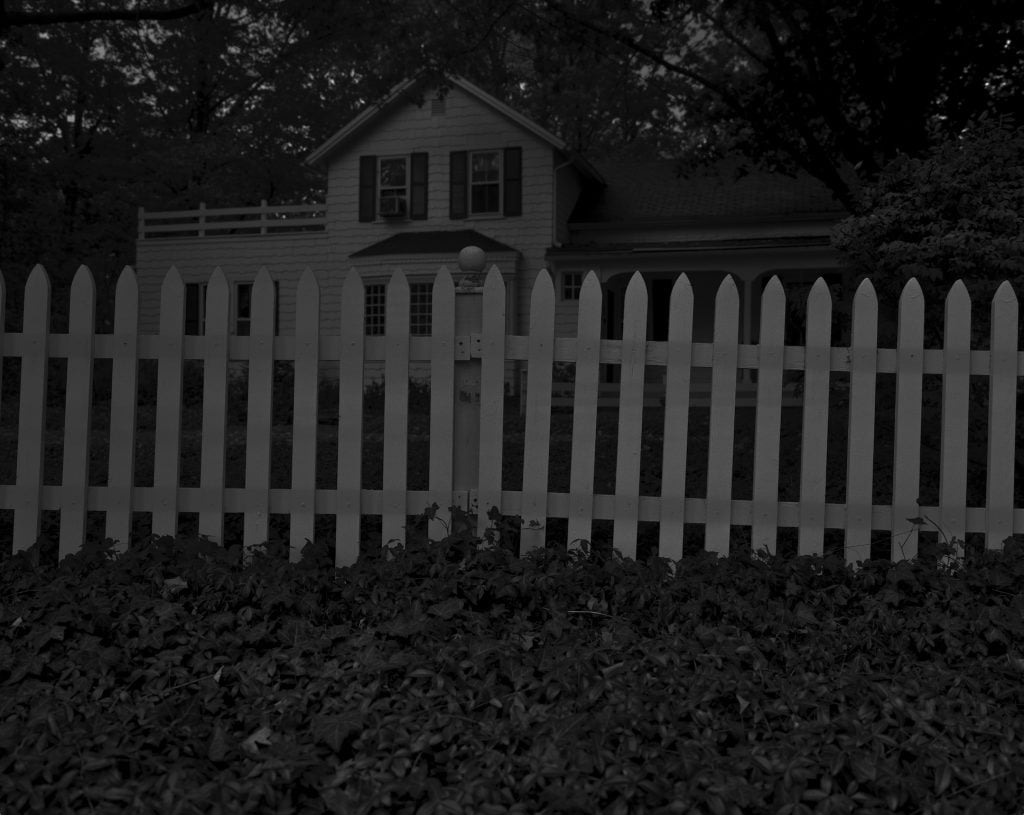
(204, 222)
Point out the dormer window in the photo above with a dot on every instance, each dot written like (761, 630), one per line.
(394, 189)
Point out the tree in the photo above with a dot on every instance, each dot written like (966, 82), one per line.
(837, 89)
(956, 212)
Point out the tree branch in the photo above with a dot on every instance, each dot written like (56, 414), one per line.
(11, 19)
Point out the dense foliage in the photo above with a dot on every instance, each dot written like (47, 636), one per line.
(448, 677)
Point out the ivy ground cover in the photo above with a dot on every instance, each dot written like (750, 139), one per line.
(181, 677)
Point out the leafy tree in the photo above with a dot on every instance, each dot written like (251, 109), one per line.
(955, 212)
(837, 89)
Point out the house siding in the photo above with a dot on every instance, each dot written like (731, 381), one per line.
(240, 258)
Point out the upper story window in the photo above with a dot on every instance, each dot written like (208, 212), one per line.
(486, 182)
(393, 187)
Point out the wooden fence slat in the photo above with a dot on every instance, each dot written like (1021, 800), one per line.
(78, 413)
(814, 445)
(123, 409)
(722, 427)
(32, 409)
(492, 396)
(956, 381)
(906, 476)
(305, 414)
(1002, 417)
(675, 434)
(537, 444)
(259, 425)
(767, 434)
(350, 420)
(442, 402)
(167, 456)
(631, 414)
(215, 407)
(396, 409)
(584, 412)
(860, 456)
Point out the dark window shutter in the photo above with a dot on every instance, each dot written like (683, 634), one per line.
(459, 175)
(418, 186)
(513, 181)
(367, 188)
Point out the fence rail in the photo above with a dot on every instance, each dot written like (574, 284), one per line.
(467, 354)
(205, 222)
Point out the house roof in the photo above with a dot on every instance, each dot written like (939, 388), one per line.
(655, 190)
(442, 242)
(405, 92)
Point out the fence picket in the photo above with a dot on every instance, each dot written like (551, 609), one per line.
(442, 402)
(770, 354)
(631, 415)
(584, 414)
(350, 420)
(814, 444)
(906, 476)
(259, 424)
(537, 444)
(1002, 417)
(956, 381)
(722, 428)
(675, 433)
(166, 456)
(860, 460)
(32, 409)
(492, 397)
(396, 409)
(123, 409)
(215, 408)
(78, 413)
(305, 414)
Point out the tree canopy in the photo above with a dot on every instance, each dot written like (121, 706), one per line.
(166, 103)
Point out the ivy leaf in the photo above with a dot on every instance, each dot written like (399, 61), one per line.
(446, 609)
(218, 747)
(334, 729)
(260, 738)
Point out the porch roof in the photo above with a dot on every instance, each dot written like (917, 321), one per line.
(441, 242)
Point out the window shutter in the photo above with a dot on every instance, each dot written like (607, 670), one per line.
(459, 176)
(513, 204)
(367, 188)
(418, 186)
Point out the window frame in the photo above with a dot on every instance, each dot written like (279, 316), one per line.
(498, 184)
(405, 188)
(375, 308)
(236, 308)
(421, 308)
(572, 285)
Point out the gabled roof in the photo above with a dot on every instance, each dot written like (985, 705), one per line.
(404, 92)
(655, 190)
(441, 242)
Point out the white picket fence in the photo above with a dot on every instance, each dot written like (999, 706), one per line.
(467, 354)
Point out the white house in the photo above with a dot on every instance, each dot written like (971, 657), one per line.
(415, 178)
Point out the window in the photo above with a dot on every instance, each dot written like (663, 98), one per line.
(420, 308)
(374, 313)
(243, 309)
(195, 309)
(485, 182)
(421, 301)
(572, 282)
(394, 189)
